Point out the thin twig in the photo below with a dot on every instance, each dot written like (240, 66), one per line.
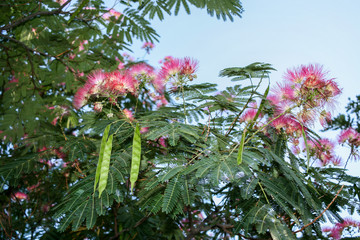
(328, 206)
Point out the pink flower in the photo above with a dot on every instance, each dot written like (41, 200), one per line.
(337, 230)
(144, 130)
(162, 142)
(81, 46)
(112, 13)
(20, 196)
(80, 98)
(323, 150)
(128, 114)
(351, 136)
(306, 93)
(92, 86)
(289, 124)
(188, 66)
(170, 68)
(295, 149)
(142, 70)
(285, 92)
(98, 107)
(173, 66)
(148, 46)
(248, 115)
(95, 81)
(336, 161)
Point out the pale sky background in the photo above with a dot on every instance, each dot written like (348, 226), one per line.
(284, 33)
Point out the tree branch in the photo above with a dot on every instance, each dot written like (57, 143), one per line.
(37, 14)
(36, 51)
(337, 194)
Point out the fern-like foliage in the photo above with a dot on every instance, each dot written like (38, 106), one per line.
(227, 9)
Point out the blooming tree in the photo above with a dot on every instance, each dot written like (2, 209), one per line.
(98, 145)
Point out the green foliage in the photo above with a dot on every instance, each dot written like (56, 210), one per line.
(136, 156)
(199, 167)
(350, 119)
(225, 9)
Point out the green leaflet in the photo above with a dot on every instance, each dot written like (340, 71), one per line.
(136, 155)
(241, 147)
(171, 195)
(104, 172)
(101, 154)
(77, 11)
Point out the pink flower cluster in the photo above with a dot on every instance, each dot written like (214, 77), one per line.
(179, 69)
(20, 196)
(306, 93)
(124, 81)
(323, 150)
(101, 84)
(337, 230)
(112, 13)
(148, 46)
(350, 136)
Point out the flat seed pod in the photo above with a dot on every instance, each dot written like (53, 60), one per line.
(136, 155)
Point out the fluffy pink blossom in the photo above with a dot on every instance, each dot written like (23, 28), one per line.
(323, 150)
(98, 106)
(306, 93)
(248, 116)
(295, 149)
(80, 98)
(170, 68)
(188, 66)
(336, 161)
(337, 230)
(350, 136)
(128, 114)
(148, 46)
(112, 13)
(144, 130)
(289, 124)
(142, 70)
(20, 196)
(81, 46)
(159, 84)
(162, 142)
(285, 92)
(173, 67)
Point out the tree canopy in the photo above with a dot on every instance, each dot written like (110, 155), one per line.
(98, 145)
